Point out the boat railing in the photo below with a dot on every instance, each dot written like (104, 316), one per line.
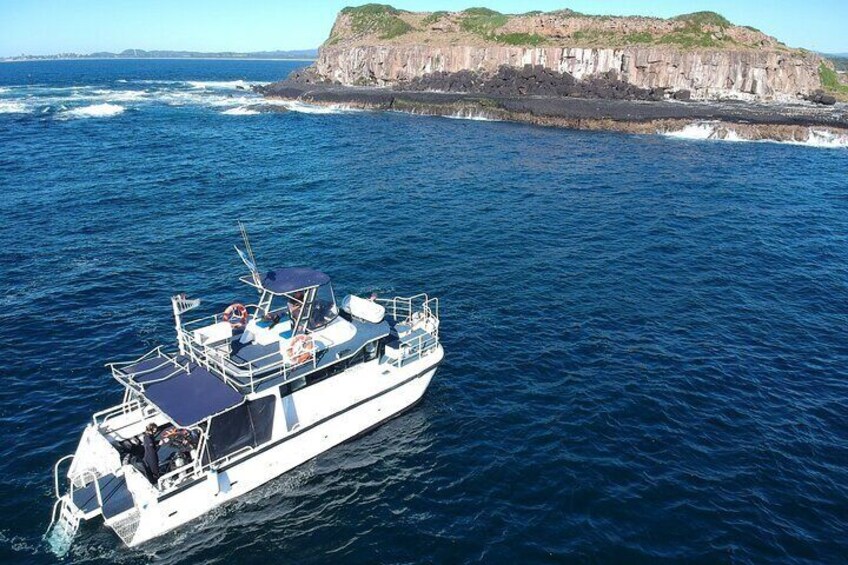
(403, 309)
(77, 478)
(69, 457)
(211, 319)
(244, 375)
(419, 311)
(414, 347)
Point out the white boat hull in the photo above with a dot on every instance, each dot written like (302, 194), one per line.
(311, 421)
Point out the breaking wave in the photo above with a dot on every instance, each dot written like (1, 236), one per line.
(12, 107)
(222, 84)
(95, 111)
(471, 115)
(304, 108)
(231, 98)
(704, 131)
(240, 111)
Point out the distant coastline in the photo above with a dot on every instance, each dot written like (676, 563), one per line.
(292, 55)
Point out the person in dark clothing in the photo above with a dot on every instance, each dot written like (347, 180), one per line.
(151, 454)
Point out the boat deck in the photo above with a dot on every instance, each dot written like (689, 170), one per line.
(271, 359)
(188, 392)
(113, 490)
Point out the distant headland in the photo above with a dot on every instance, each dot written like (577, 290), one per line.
(570, 69)
(301, 54)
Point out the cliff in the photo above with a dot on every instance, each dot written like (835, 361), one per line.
(702, 54)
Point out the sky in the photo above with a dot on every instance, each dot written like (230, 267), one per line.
(42, 27)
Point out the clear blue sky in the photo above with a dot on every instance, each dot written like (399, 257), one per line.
(40, 27)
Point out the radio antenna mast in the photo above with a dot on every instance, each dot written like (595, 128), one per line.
(250, 260)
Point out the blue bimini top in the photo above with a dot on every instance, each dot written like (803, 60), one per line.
(291, 279)
(188, 398)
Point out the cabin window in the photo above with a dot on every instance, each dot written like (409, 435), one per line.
(247, 425)
(324, 309)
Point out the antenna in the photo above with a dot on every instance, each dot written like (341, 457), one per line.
(250, 260)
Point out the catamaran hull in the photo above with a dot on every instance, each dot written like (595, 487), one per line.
(148, 520)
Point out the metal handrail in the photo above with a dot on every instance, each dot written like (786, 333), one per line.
(243, 375)
(216, 317)
(56, 473)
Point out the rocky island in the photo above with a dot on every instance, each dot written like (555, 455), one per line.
(563, 68)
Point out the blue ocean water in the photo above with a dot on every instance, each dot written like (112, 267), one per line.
(645, 337)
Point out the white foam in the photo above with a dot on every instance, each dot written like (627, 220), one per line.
(12, 107)
(3, 90)
(220, 84)
(702, 131)
(96, 111)
(240, 111)
(826, 139)
(304, 108)
(471, 115)
(699, 131)
(115, 95)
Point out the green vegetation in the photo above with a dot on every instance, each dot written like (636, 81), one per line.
(482, 21)
(594, 36)
(480, 12)
(693, 34)
(699, 19)
(520, 39)
(830, 81)
(567, 13)
(640, 37)
(434, 17)
(380, 19)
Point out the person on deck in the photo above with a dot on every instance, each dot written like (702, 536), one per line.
(151, 454)
(295, 305)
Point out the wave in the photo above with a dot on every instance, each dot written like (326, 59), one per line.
(102, 101)
(240, 111)
(471, 115)
(95, 111)
(12, 107)
(304, 108)
(705, 131)
(221, 84)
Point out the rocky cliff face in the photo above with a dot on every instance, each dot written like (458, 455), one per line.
(705, 55)
(708, 74)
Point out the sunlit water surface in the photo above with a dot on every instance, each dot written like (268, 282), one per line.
(646, 337)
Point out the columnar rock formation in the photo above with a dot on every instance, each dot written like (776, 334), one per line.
(706, 73)
(700, 53)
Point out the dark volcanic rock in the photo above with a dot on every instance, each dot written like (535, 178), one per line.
(820, 97)
(531, 81)
(683, 95)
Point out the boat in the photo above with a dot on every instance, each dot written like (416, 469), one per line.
(244, 396)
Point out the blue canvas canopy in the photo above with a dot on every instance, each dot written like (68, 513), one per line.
(291, 279)
(188, 398)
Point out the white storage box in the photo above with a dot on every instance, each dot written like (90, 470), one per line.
(363, 309)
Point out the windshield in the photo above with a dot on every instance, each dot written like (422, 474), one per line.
(324, 310)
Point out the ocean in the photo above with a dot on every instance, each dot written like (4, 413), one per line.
(645, 336)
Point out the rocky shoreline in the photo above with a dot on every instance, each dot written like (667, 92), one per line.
(792, 122)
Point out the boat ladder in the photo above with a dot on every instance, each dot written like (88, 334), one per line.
(64, 524)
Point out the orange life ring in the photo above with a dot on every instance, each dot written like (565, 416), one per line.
(300, 349)
(236, 315)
